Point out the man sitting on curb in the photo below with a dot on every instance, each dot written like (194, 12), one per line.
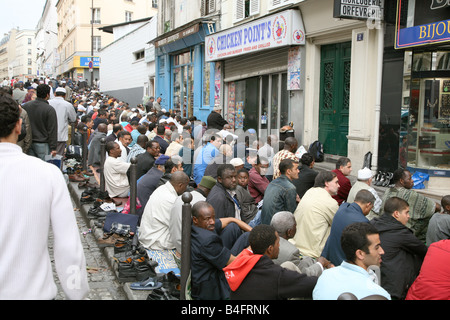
(253, 274)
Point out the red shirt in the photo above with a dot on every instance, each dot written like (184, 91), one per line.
(433, 282)
(257, 185)
(344, 187)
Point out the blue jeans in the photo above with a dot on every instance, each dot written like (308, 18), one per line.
(256, 220)
(39, 150)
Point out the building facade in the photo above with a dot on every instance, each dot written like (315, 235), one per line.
(128, 63)
(18, 55)
(47, 41)
(79, 37)
(422, 40)
(184, 79)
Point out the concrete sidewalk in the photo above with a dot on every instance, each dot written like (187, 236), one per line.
(108, 252)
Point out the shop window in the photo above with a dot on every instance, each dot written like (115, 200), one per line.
(425, 120)
(260, 103)
(183, 83)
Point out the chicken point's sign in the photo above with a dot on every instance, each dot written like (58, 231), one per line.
(281, 29)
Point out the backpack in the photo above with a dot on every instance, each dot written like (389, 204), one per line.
(316, 150)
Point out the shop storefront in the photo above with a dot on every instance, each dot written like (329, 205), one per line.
(78, 68)
(183, 78)
(425, 129)
(260, 82)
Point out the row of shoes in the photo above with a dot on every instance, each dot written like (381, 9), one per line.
(93, 194)
(100, 209)
(169, 290)
(133, 262)
(383, 179)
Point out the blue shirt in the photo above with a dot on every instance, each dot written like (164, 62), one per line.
(205, 157)
(347, 214)
(347, 278)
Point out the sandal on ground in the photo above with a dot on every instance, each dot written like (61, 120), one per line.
(148, 284)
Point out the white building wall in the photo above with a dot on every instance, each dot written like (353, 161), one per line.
(121, 75)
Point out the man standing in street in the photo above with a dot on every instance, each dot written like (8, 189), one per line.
(65, 114)
(44, 124)
(157, 105)
(94, 155)
(47, 205)
(215, 119)
(149, 105)
(18, 92)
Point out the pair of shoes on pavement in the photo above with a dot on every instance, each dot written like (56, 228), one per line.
(136, 268)
(109, 239)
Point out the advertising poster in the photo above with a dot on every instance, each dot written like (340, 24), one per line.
(231, 103)
(294, 66)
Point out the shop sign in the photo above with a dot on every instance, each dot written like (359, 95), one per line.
(359, 9)
(435, 31)
(85, 62)
(177, 36)
(281, 29)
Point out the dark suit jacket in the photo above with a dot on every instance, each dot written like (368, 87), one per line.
(221, 201)
(162, 143)
(144, 163)
(215, 121)
(305, 180)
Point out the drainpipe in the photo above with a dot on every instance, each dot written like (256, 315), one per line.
(376, 130)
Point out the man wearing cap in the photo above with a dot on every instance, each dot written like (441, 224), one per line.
(365, 177)
(215, 119)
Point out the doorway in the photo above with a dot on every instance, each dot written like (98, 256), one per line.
(334, 97)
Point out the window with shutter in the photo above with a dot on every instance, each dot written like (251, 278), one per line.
(245, 8)
(239, 10)
(208, 7)
(211, 6)
(278, 3)
(254, 7)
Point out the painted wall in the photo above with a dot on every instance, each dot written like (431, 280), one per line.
(120, 73)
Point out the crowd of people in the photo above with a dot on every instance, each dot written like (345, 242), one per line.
(265, 224)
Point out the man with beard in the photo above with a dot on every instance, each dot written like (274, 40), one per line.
(223, 195)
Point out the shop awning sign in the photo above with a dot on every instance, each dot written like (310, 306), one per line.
(359, 9)
(281, 29)
(437, 31)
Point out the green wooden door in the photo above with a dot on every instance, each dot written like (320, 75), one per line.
(334, 97)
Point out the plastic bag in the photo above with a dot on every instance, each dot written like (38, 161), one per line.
(127, 206)
(419, 178)
(300, 152)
